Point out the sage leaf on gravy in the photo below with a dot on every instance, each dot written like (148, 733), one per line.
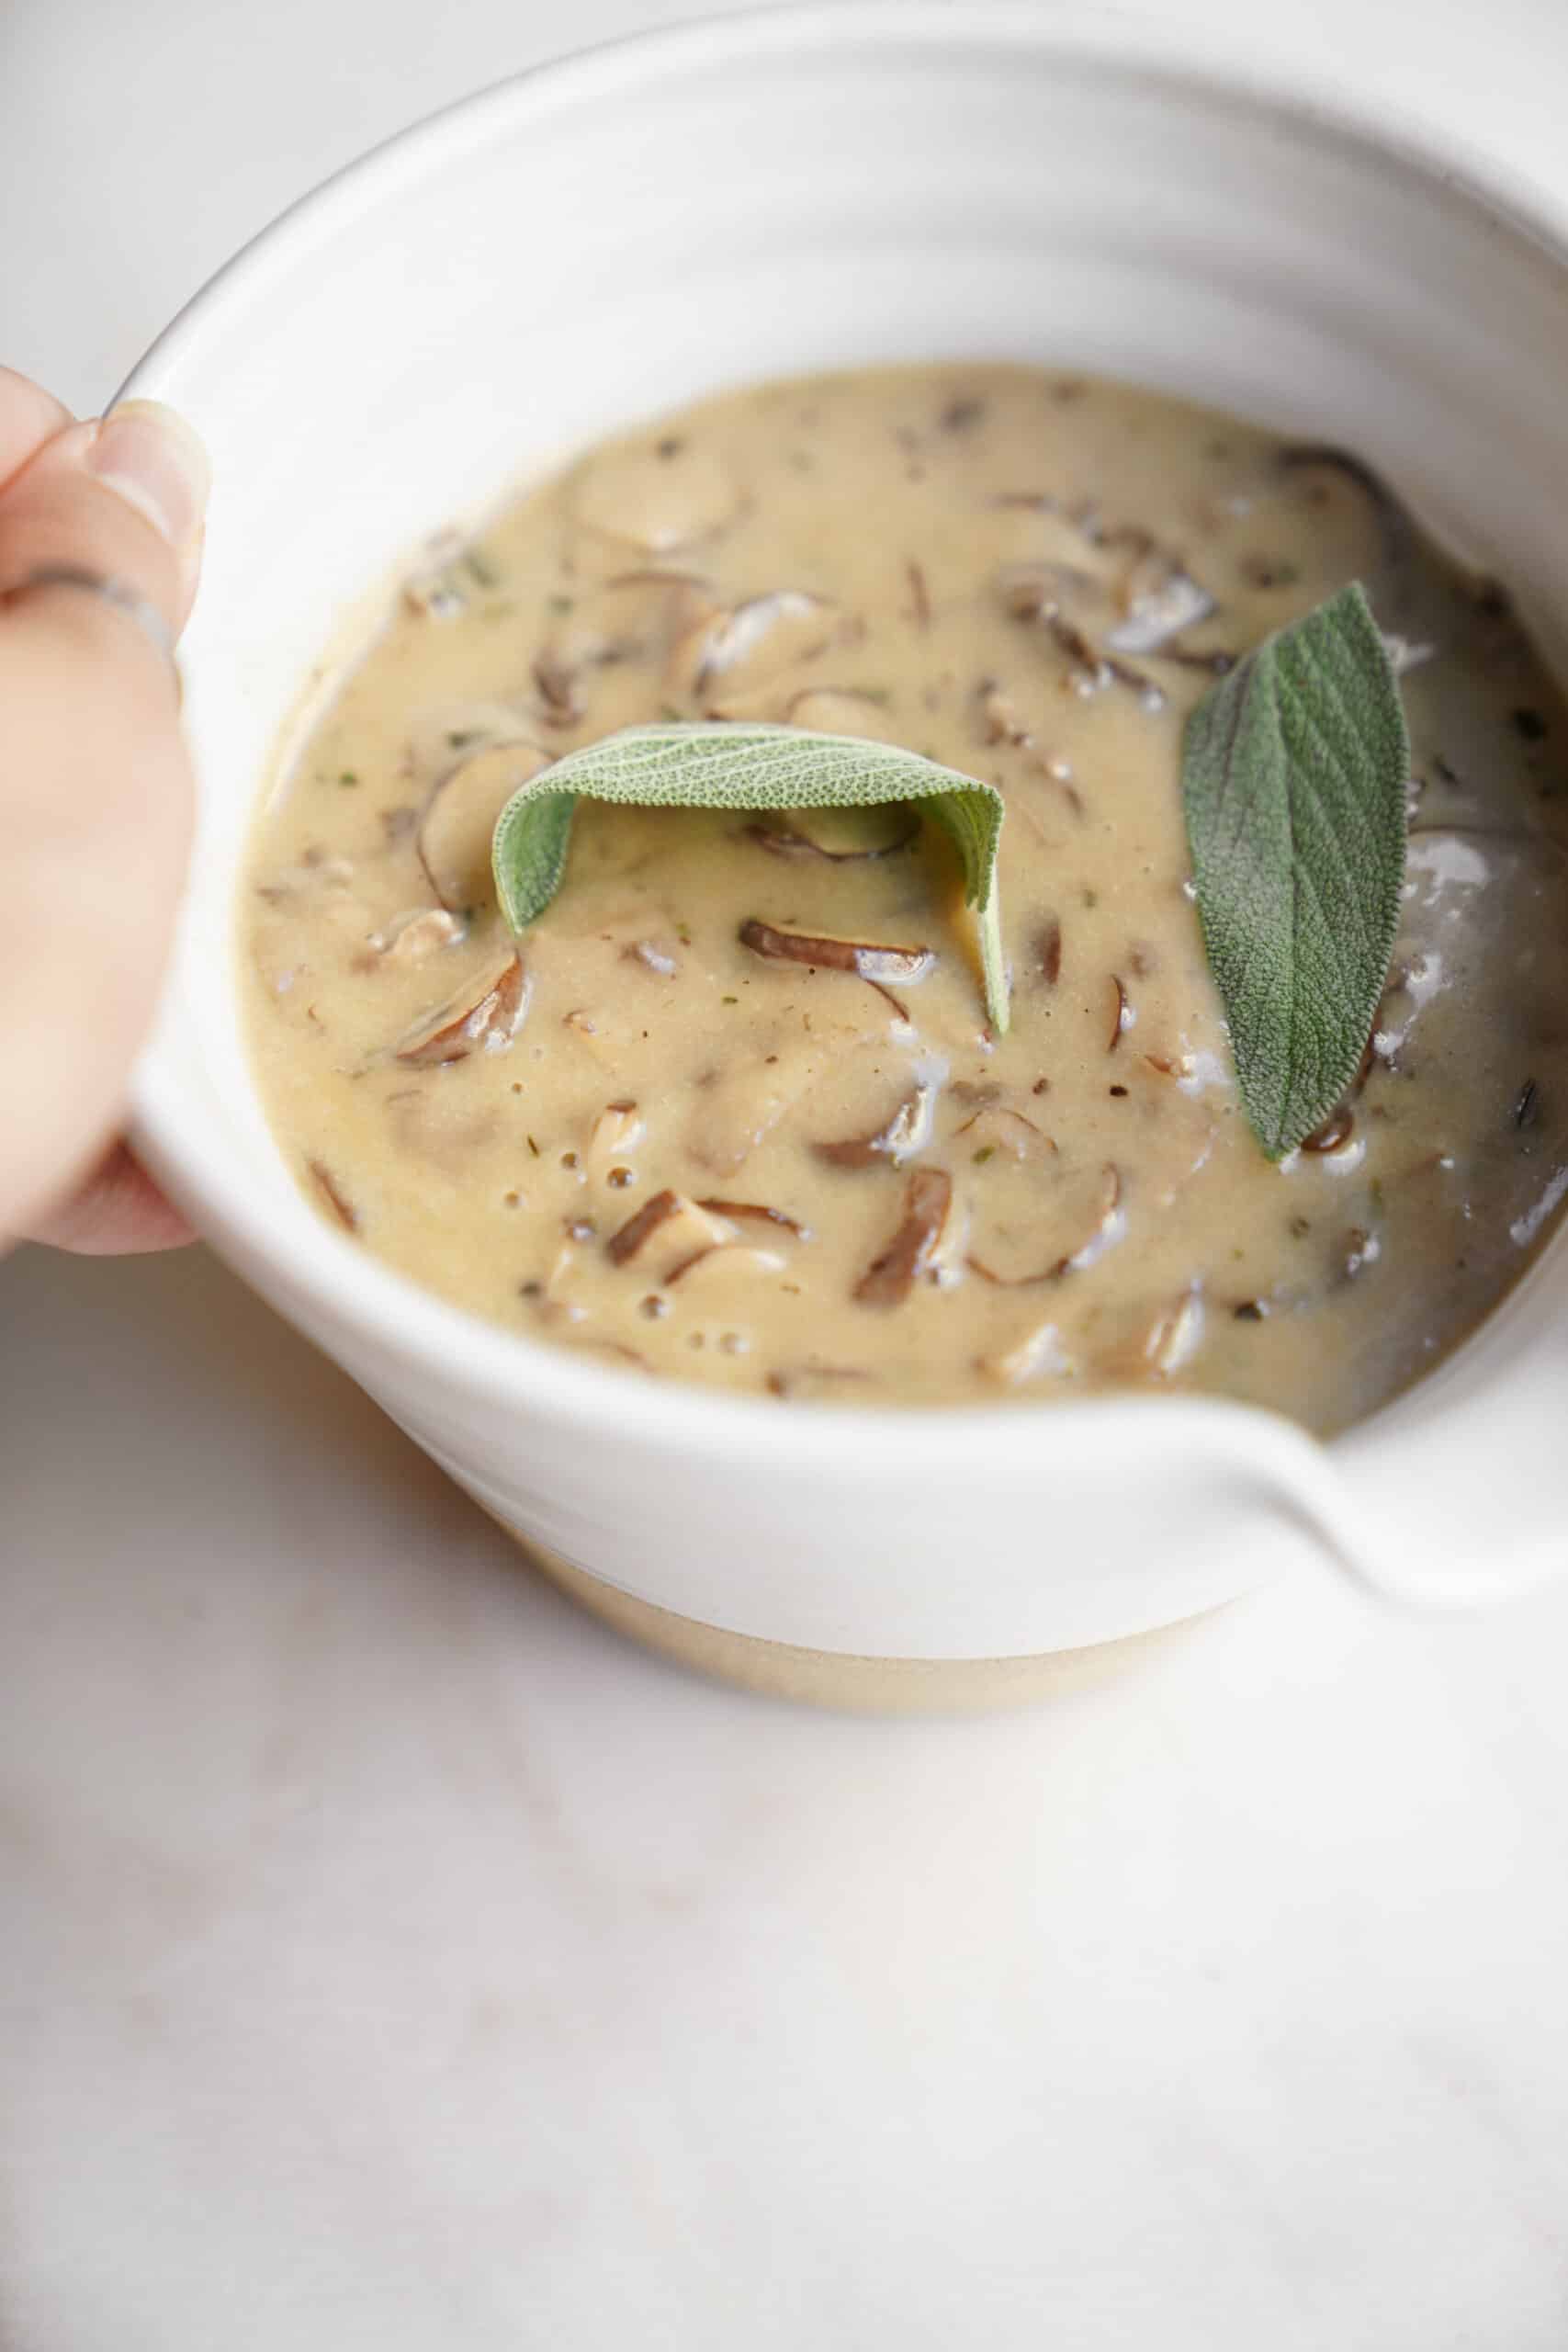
(726, 765)
(1294, 773)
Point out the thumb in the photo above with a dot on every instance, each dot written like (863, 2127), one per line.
(95, 786)
(123, 495)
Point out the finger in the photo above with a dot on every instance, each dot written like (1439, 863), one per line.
(95, 786)
(117, 1212)
(124, 496)
(28, 417)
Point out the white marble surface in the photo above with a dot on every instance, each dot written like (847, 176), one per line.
(393, 1959)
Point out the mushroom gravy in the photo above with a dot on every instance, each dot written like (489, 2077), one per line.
(670, 1131)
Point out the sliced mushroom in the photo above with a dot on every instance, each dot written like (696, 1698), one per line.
(946, 1264)
(416, 934)
(864, 957)
(1215, 661)
(331, 1191)
(999, 717)
(1039, 1353)
(1058, 773)
(654, 956)
(1040, 591)
(742, 1210)
(724, 1262)
(436, 591)
(1109, 1231)
(640, 1226)
(441, 734)
(1109, 1227)
(839, 835)
(459, 824)
(1175, 1338)
(485, 1015)
(836, 710)
(1122, 1014)
(1335, 1131)
(1033, 531)
(1159, 600)
(681, 1225)
(1048, 952)
(1069, 602)
(746, 645)
(890, 1277)
(1309, 457)
(556, 684)
(617, 1131)
(634, 615)
(905, 1132)
(546, 1296)
(1090, 669)
(604, 1043)
(659, 495)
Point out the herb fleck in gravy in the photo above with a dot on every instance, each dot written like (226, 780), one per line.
(731, 1112)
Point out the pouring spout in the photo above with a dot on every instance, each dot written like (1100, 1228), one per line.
(1453, 1497)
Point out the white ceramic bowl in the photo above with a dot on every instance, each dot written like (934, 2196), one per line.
(848, 182)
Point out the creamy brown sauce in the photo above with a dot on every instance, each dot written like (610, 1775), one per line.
(661, 1137)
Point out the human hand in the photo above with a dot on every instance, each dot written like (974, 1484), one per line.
(95, 797)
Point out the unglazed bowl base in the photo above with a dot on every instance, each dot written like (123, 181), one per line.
(890, 1686)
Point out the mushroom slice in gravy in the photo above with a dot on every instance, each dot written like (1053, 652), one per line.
(724, 1262)
(1037, 1355)
(333, 1193)
(681, 1229)
(928, 1201)
(744, 1211)
(746, 647)
(459, 824)
(1158, 609)
(842, 836)
(483, 1015)
(416, 934)
(667, 492)
(862, 956)
(618, 1131)
(906, 1133)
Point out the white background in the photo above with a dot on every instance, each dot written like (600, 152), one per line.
(391, 1959)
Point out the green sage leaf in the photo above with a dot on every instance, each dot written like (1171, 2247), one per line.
(1295, 774)
(724, 765)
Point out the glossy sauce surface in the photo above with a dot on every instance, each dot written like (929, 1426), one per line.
(652, 1139)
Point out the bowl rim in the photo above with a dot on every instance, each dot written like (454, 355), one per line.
(479, 1361)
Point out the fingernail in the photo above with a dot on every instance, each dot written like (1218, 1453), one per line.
(156, 462)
